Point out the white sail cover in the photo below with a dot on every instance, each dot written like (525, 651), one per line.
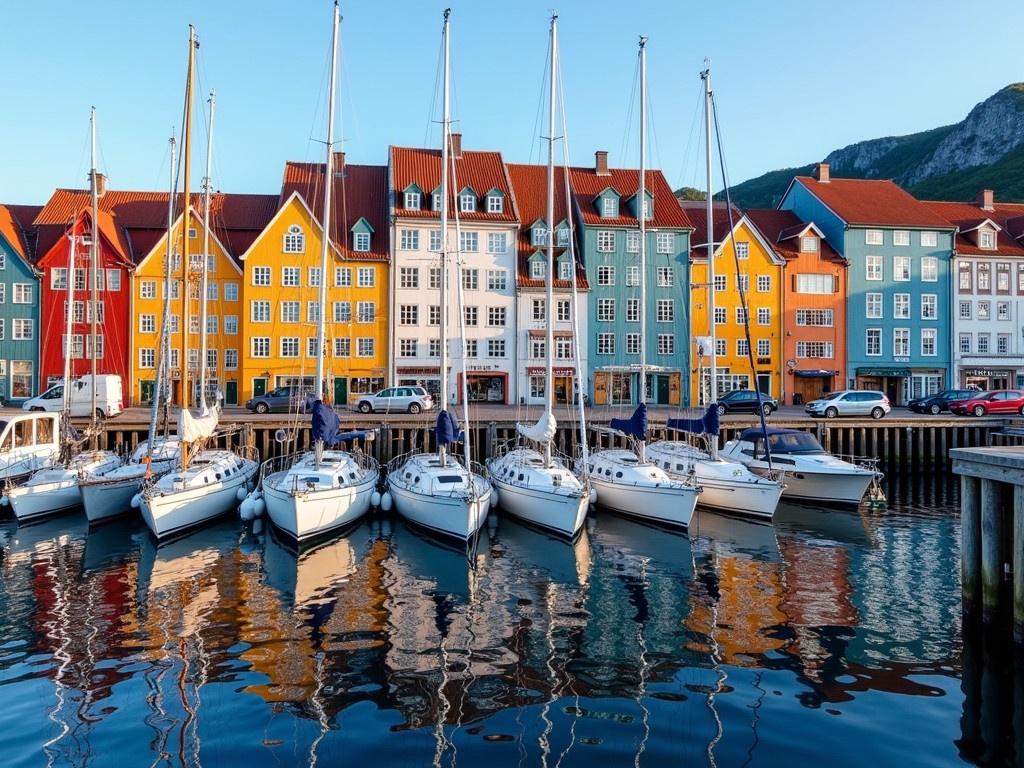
(542, 431)
(192, 428)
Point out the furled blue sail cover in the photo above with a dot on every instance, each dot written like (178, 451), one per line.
(325, 423)
(635, 425)
(708, 424)
(447, 429)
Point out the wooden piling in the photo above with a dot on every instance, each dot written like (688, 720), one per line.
(991, 547)
(1018, 567)
(970, 541)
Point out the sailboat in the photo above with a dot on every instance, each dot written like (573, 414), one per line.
(435, 490)
(111, 494)
(725, 485)
(535, 485)
(626, 480)
(312, 493)
(207, 482)
(56, 489)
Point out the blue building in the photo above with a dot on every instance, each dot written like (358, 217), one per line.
(19, 306)
(899, 252)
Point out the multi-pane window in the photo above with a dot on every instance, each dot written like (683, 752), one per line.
(901, 268)
(537, 386)
(343, 277)
(409, 314)
(147, 323)
(929, 239)
(409, 239)
(811, 283)
(211, 324)
(147, 358)
(606, 310)
(497, 242)
(563, 349)
(632, 241)
(901, 237)
(1003, 310)
(564, 269)
(764, 347)
(965, 310)
(231, 359)
(231, 325)
(413, 200)
(983, 339)
(821, 349)
(407, 348)
(901, 306)
(873, 267)
(495, 204)
(467, 202)
(666, 344)
(471, 316)
(901, 342)
(469, 242)
(665, 242)
(632, 276)
(720, 315)
(343, 311)
(434, 348)
(496, 317)
(605, 241)
(497, 280)
(985, 277)
(289, 311)
(873, 237)
(495, 347)
(742, 249)
(211, 291)
(606, 343)
(361, 241)
(764, 283)
(930, 269)
(664, 277)
(987, 239)
(808, 244)
(965, 276)
(1002, 278)
(1003, 344)
(666, 311)
(470, 279)
(742, 347)
(471, 347)
(720, 347)
(147, 288)
(343, 347)
(366, 277)
(720, 283)
(539, 236)
(260, 346)
(984, 310)
(743, 282)
(764, 316)
(741, 316)
(632, 310)
(606, 275)
(259, 311)
(408, 277)
(59, 282)
(873, 342)
(823, 317)
(366, 311)
(294, 240)
(435, 278)
(435, 240)
(929, 306)
(261, 276)
(609, 206)
(928, 347)
(364, 346)
(537, 349)
(563, 308)
(434, 314)
(632, 343)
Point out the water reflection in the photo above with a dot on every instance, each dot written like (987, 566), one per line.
(631, 644)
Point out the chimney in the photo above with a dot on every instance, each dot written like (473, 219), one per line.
(601, 163)
(339, 162)
(456, 147)
(821, 173)
(101, 184)
(986, 200)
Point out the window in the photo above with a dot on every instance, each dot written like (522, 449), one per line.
(343, 277)
(259, 311)
(984, 310)
(409, 239)
(900, 237)
(407, 348)
(666, 311)
(94, 347)
(965, 276)
(632, 310)
(260, 276)
(537, 347)
(720, 316)
(929, 239)
(413, 200)
(632, 276)
(77, 347)
(467, 202)
(147, 288)
(260, 346)
(409, 314)
(666, 344)
(901, 268)
(930, 269)
(497, 242)
(965, 310)
(563, 349)
(471, 316)
(495, 347)
(212, 323)
(435, 240)
(818, 349)
(901, 342)
(495, 204)
(409, 277)
(1002, 279)
(471, 347)
(605, 241)
(497, 280)
(366, 311)
(211, 291)
(632, 343)
(343, 311)
(873, 265)
(632, 241)
(983, 340)
(743, 282)
(433, 348)
(367, 277)
(231, 325)
(742, 249)
(720, 283)
(609, 206)
(764, 316)
(742, 347)
(470, 279)
(564, 310)
(294, 240)
(289, 311)
(539, 236)
(720, 347)
(664, 277)
(496, 317)
(764, 284)
(873, 342)
(147, 323)
(987, 239)
(606, 275)
(823, 317)
(665, 242)
(435, 278)
(606, 343)
(174, 321)
(901, 306)
(1003, 344)
(1003, 310)
(147, 358)
(364, 347)
(469, 242)
(231, 359)
(764, 347)
(985, 277)
(361, 241)
(809, 244)
(810, 283)
(564, 269)
(928, 336)
(873, 237)
(435, 201)
(434, 314)
(929, 306)
(606, 310)
(537, 385)
(343, 347)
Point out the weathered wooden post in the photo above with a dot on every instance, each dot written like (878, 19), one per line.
(492, 438)
(970, 541)
(1018, 570)
(991, 549)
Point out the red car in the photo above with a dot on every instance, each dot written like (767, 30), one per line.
(995, 401)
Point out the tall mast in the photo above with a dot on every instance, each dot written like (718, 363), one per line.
(713, 353)
(207, 189)
(321, 329)
(641, 207)
(549, 301)
(186, 222)
(69, 321)
(442, 450)
(163, 363)
(94, 251)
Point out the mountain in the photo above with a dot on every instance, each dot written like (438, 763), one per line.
(983, 151)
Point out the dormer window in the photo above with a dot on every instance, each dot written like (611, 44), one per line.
(987, 239)
(808, 244)
(361, 242)
(495, 201)
(537, 269)
(294, 240)
(539, 235)
(647, 208)
(563, 236)
(564, 270)
(435, 202)
(413, 199)
(609, 207)
(467, 201)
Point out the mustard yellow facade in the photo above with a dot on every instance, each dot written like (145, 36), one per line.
(760, 274)
(281, 304)
(223, 316)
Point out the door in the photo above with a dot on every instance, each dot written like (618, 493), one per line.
(764, 383)
(231, 393)
(674, 389)
(892, 390)
(601, 387)
(662, 390)
(146, 387)
(1000, 382)
(341, 389)
(259, 387)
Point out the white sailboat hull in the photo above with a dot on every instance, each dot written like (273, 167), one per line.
(832, 487)
(561, 513)
(170, 513)
(306, 514)
(458, 517)
(34, 502)
(642, 490)
(107, 497)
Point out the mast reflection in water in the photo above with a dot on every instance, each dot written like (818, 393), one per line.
(832, 637)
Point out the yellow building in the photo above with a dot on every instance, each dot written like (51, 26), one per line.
(759, 275)
(281, 273)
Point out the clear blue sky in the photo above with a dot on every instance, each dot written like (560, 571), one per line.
(793, 80)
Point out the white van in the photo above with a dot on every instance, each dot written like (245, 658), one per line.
(108, 397)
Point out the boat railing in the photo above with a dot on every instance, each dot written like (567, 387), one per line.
(284, 463)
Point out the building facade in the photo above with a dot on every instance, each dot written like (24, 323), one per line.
(899, 252)
(813, 305)
(19, 309)
(607, 209)
(482, 230)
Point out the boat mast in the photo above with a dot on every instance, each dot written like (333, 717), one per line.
(207, 189)
(442, 450)
(321, 330)
(713, 352)
(186, 221)
(94, 251)
(641, 207)
(549, 300)
(163, 363)
(69, 320)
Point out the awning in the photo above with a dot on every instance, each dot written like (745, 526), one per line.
(535, 334)
(815, 374)
(883, 371)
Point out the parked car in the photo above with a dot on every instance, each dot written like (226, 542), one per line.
(289, 399)
(940, 401)
(109, 397)
(745, 401)
(397, 400)
(996, 401)
(850, 402)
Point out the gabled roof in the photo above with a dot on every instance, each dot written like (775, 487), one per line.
(11, 230)
(782, 229)
(359, 192)
(588, 185)
(967, 217)
(530, 183)
(872, 203)
(696, 212)
(475, 169)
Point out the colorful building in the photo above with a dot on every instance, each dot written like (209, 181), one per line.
(19, 306)
(281, 283)
(899, 251)
(529, 183)
(482, 230)
(748, 272)
(988, 292)
(813, 305)
(608, 236)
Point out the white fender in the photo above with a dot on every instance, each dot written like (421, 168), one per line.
(259, 507)
(245, 509)
(375, 499)
(241, 493)
(136, 501)
(386, 501)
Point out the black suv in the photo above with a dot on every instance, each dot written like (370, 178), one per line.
(940, 401)
(745, 401)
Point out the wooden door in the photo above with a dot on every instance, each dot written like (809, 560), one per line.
(675, 389)
(600, 389)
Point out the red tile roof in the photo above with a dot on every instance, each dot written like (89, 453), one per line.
(967, 216)
(530, 184)
(12, 231)
(587, 185)
(873, 203)
(483, 171)
(360, 192)
(780, 229)
(697, 213)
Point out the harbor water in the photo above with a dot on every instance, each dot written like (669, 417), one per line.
(829, 638)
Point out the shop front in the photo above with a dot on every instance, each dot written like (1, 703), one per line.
(811, 384)
(564, 385)
(989, 378)
(428, 377)
(620, 386)
(484, 384)
(891, 381)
